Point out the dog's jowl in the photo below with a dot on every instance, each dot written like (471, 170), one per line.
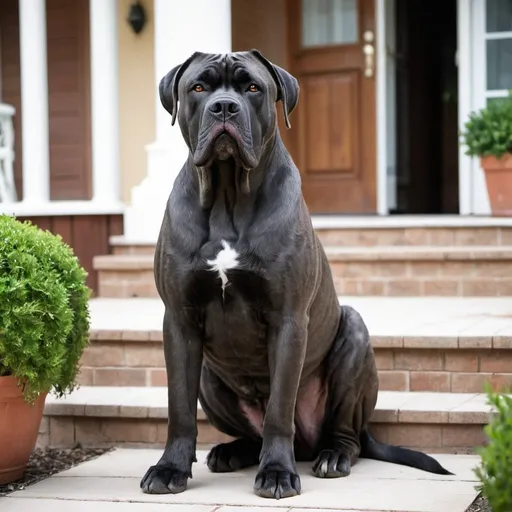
(252, 325)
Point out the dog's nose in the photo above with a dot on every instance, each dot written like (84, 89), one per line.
(224, 108)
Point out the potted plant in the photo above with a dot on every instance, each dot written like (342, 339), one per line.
(495, 471)
(488, 135)
(44, 324)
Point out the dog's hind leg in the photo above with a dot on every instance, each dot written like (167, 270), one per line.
(223, 409)
(352, 382)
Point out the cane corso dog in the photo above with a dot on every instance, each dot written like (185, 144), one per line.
(253, 327)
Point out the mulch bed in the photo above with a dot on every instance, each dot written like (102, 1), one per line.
(480, 505)
(45, 462)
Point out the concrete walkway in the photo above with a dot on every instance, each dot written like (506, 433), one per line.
(111, 484)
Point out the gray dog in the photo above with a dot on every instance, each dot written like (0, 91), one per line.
(252, 326)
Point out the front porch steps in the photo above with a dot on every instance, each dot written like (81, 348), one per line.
(421, 344)
(137, 416)
(369, 256)
(390, 270)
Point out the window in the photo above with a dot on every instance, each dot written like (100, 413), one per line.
(498, 35)
(329, 22)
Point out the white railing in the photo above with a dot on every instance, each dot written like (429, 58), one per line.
(7, 185)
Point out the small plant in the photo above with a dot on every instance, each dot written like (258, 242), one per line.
(488, 132)
(495, 472)
(44, 316)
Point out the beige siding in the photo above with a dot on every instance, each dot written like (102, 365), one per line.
(136, 96)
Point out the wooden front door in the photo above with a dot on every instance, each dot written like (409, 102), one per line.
(333, 135)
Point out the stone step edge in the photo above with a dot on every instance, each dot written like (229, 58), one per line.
(336, 254)
(353, 222)
(392, 406)
(413, 341)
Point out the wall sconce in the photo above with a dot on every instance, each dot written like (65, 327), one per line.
(137, 17)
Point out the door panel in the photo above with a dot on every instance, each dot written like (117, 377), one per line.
(333, 134)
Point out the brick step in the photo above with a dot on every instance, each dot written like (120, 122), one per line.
(433, 422)
(443, 230)
(377, 271)
(421, 344)
(419, 363)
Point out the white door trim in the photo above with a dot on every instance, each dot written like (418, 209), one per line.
(386, 105)
(466, 89)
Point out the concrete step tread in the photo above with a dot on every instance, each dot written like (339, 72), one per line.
(151, 403)
(341, 253)
(393, 322)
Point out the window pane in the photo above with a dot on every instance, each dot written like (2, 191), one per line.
(499, 15)
(499, 64)
(329, 22)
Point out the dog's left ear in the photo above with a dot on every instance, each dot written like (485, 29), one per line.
(168, 87)
(287, 85)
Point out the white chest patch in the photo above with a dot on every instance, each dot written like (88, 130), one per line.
(226, 259)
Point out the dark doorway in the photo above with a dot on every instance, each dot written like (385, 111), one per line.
(426, 106)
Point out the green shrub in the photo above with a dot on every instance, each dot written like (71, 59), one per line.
(44, 315)
(488, 132)
(495, 472)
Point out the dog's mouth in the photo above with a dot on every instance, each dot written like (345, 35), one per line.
(222, 142)
(225, 147)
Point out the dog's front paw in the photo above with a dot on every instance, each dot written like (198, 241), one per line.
(164, 479)
(331, 464)
(277, 483)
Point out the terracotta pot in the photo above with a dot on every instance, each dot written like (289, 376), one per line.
(19, 427)
(498, 176)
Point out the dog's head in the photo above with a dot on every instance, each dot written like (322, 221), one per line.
(227, 104)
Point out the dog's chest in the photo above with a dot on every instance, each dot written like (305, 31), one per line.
(225, 260)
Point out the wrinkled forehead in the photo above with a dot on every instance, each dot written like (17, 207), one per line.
(226, 69)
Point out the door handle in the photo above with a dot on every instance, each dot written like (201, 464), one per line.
(369, 53)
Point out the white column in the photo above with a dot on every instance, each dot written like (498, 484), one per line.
(104, 102)
(34, 101)
(181, 28)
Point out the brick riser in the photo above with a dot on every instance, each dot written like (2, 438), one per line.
(357, 278)
(457, 370)
(66, 431)
(365, 237)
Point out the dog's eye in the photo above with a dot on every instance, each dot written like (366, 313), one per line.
(198, 88)
(253, 88)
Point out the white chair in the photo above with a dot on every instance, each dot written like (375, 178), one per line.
(7, 185)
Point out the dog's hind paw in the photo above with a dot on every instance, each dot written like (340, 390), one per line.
(237, 454)
(331, 464)
(164, 480)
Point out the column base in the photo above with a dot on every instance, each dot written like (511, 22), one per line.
(143, 218)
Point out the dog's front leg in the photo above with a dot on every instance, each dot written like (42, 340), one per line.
(277, 476)
(183, 357)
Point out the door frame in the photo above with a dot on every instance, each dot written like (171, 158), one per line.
(385, 104)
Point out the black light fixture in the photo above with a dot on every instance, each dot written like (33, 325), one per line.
(137, 17)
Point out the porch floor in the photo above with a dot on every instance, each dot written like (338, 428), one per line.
(111, 484)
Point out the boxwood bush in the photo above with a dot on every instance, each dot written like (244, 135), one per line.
(488, 132)
(495, 471)
(44, 315)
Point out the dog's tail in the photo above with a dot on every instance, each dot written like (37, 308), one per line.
(373, 449)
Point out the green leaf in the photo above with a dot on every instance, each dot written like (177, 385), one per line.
(495, 470)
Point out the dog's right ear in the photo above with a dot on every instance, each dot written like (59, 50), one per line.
(168, 87)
